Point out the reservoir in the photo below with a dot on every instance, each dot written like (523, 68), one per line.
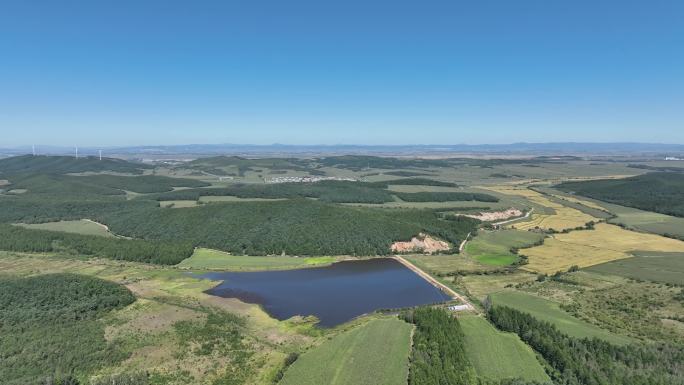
(335, 294)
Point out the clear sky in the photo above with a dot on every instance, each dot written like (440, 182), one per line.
(328, 72)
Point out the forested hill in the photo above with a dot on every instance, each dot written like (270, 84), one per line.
(67, 164)
(662, 192)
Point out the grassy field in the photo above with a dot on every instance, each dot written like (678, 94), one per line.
(592, 247)
(480, 286)
(445, 264)
(208, 259)
(82, 226)
(498, 355)
(651, 266)
(493, 247)
(375, 353)
(551, 312)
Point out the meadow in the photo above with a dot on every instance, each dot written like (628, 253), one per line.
(376, 352)
(498, 355)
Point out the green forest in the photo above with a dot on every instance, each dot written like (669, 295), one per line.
(661, 192)
(293, 227)
(49, 328)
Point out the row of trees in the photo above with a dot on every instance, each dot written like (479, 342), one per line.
(445, 197)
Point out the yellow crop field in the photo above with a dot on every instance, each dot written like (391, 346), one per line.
(564, 218)
(591, 247)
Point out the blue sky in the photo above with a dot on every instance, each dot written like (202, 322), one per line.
(358, 72)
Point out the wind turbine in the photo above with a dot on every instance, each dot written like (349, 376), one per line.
(100, 154)
(34, 149)
(76, 151)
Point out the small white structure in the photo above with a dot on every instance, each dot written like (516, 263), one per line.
(464, 307)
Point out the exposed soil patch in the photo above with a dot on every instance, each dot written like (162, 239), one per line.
(496, 215)
(422, 243)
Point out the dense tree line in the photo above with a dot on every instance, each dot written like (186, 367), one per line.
(294, 227)
(216, 164)
(168, 252)
(661, 192)
(49, 328)
(67, 164)
(445, 197)
(418, 182)
(593, 362)
(327, 191)
(97, 184)
(438, 356)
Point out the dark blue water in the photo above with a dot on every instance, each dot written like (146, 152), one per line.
(335, 294)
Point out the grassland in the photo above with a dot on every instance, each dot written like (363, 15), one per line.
(447, 264)
(592, 247)
(374, 353)
(208, 259)
(551, 312)
(480, 286)
(498, 355)
(494, 247)
(650, 266)
(83, 226)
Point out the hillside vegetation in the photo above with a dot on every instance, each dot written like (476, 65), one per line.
(68, 164)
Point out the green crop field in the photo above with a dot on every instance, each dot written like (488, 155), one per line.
(375, 353)
(651, 266)
(208, 259)
(499, 355)
(494, 247)
(82, 226)
(551, 312)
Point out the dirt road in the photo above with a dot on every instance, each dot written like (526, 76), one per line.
(433, 281)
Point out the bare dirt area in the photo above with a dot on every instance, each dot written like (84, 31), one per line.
(422, 243)
(496, 215)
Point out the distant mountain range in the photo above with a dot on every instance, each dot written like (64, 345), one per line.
(513, 149)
